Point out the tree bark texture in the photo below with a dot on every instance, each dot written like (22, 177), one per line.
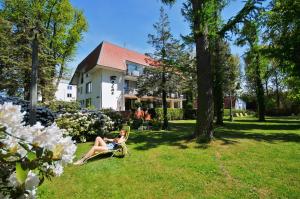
(205, 112)
(259, 91)
(218, 85)
(164, 101)
(33, 84)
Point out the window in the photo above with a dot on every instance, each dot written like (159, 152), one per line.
(126, 85)
(81, 78)
(82, 102)
(79, 90)
(134, 69)
(69, 95)
(88, 102)
(69, 87)
(88, 87)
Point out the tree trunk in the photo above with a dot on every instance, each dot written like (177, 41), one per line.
(164, 101)
(267, 90)
(205, 112)
(230, 109)
(277, 90)
(218, 85)
(259, 90)
(60, 74)
(33, 84)
(26, 85)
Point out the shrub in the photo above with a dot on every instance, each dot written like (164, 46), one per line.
(155, 124)
(172, 114)
(43, 115)
(29, 153)
(136, 123)
(190, 114)
(85, 125)
(63, 107)
(116, 117)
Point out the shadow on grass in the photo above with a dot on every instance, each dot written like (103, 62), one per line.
(151, 139)
(279, 121)
(180, 134)
(240, 130)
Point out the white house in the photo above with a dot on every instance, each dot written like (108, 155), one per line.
(237, 103)
(240, 104)
(65, 91)
(107, 78)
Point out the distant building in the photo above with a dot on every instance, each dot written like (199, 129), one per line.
(107, 78)
(65, 91)
(237, 103)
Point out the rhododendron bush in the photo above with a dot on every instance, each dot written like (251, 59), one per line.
(85, 125)
(28, 154)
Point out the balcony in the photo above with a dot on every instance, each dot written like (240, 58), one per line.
(134, 73)
(130, 91)
(175, 96)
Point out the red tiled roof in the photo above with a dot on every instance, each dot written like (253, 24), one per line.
(115, 57)
(112, 56)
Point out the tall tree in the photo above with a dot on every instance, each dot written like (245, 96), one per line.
(282, 21)
(60, 27)
(164, 57)
(201, 15)
(232, 80)
(250, 35)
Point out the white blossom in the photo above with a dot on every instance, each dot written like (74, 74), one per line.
(32, 181)
(50, 138)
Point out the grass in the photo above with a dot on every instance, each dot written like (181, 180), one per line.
(247, 159)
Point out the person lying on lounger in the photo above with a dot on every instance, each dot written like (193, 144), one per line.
(101, 146)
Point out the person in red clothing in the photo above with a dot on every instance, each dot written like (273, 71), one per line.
(139, 114)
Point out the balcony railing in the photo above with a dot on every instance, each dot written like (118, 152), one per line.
(134, 73)
(130, 91)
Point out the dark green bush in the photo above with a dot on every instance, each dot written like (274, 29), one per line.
(43, 114)
(155, 124)
(190, 114)
(63, 107)
(136, 123)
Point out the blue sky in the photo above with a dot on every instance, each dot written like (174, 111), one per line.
(128, 22)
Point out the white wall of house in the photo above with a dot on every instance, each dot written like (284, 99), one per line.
(240, 104)
(96, 79)
(66, 92)
(112, 95)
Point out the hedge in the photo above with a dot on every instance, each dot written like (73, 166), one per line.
(172, 113)
(62, 106)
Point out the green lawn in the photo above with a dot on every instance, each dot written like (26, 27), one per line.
(248, 159)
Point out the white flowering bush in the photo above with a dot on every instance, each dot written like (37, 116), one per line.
(28, 154)
(85, 125)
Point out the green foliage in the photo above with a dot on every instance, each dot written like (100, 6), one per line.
(282, 23)
(59, 28)
(136, 123)
(189, 113)
(155, 124)
(63, 106)
(163, 77)
(172, 114)
(85, 126)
